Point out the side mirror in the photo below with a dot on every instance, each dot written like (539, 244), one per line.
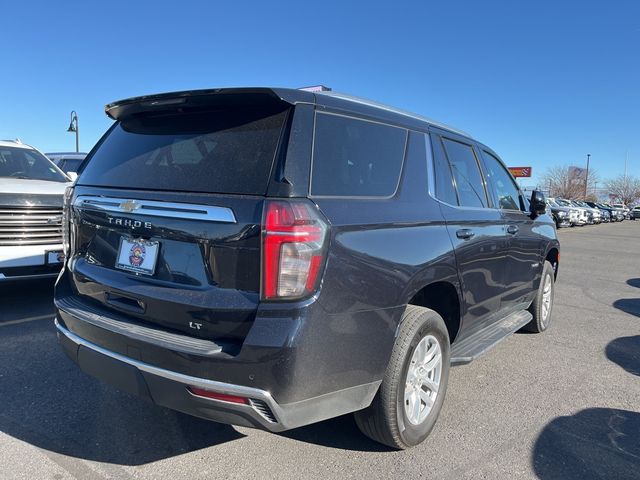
(538, 203)
(72, 176)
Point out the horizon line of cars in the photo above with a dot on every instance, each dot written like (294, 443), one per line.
(571, 213)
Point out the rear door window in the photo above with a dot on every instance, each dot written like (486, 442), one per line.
(221, 151)
(353, 157)
(466, 173)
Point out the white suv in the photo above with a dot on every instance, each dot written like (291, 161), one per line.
(31, 194)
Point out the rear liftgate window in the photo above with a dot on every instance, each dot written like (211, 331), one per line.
(219, 151)
(356, 158)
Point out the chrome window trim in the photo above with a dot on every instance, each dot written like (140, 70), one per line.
(153, 208)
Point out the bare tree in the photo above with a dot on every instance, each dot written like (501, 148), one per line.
(565, 182)
(624, 188)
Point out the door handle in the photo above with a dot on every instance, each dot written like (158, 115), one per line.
(512, 229)
(465, 233)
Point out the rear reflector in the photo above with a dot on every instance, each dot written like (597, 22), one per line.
(223, 397)
(293, 248)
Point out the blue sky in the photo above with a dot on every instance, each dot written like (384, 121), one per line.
(543, 83)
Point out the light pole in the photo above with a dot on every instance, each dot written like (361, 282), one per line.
(73, 127)
(586, 176)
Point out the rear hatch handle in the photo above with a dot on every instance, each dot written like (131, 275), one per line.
(122, 302)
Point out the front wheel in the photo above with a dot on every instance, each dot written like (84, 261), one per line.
(543, 302)
(407, 405)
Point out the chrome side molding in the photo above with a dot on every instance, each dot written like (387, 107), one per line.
(154, 208)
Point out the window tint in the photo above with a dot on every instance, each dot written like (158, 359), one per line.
(445, 190)
(466, 173)
(221, 151)
(500, 180)
(356, 158)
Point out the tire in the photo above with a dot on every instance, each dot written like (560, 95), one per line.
(542, 306)
(386, 420)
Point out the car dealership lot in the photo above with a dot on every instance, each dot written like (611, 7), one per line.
(564, 404)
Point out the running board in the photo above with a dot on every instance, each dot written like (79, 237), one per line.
(471, 347)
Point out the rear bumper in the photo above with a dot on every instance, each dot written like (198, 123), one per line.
(171, 389)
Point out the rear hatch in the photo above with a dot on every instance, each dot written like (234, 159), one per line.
(166, 215)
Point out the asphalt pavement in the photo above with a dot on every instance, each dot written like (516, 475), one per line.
(561, 405)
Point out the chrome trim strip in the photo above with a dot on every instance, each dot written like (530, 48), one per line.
(287, 416)
(187, 380)
(168, 374)
(188, 211)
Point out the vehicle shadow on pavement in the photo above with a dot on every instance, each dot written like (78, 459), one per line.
(48, 402)
(634, 282)
(341, 433)
(592, 444)
(628, 305)
(26, 301)
(625, 351)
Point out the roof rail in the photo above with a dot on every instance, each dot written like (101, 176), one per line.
(389, 108)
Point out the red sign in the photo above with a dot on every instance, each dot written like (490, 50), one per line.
(520, 171)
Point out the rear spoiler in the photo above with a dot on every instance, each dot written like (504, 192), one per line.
(218, 97)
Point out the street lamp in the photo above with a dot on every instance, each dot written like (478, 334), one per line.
(73, 127)
(586, 176)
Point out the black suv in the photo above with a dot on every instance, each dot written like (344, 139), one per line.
(276, 257)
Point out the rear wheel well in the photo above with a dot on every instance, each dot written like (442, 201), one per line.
(553, 257)
(442, 298)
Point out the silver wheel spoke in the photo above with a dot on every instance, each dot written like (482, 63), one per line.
(434, 362)
(415, 406)
(426, 398)
(431, 385)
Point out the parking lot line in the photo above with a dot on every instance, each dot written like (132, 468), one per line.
(26, 320)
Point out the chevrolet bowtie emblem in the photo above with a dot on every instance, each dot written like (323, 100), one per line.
(129, 206)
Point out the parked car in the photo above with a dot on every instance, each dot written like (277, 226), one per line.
(619, 213)
(621, 206)
(31, 190)
(606, 211)
(582, 217)
(274, 257)
(635, 213)
(563, 216)
(596, 214)
(68, 162)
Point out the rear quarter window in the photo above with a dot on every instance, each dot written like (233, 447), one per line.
(356, 158)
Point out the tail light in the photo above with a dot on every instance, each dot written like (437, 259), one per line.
(293, 249)
(66, 217)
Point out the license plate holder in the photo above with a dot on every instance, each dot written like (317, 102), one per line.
(137, 255)
(53, 257)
